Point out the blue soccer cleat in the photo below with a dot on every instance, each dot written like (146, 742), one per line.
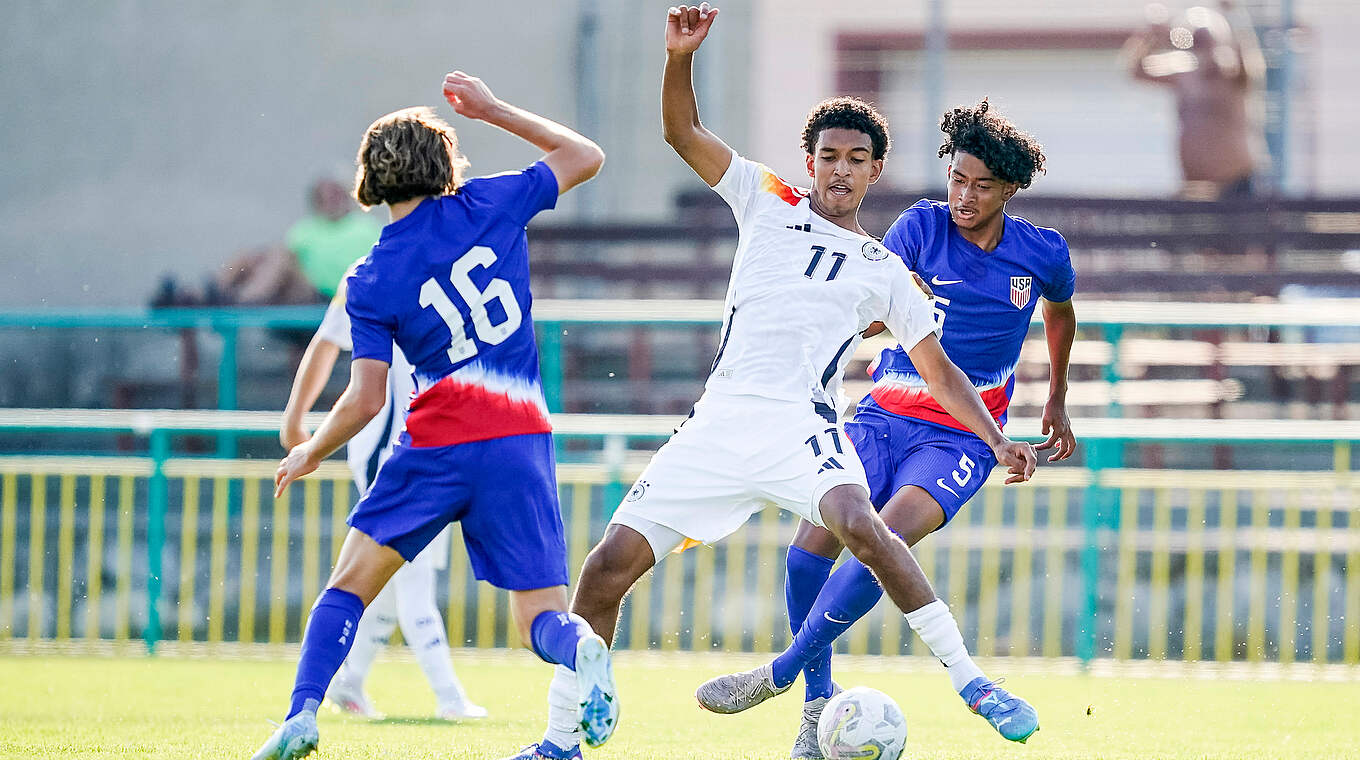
(546, 750)
(598, 710)
(296, 738)
(1011, 716)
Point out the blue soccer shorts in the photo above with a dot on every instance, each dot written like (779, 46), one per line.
(502, 490)
(951, 465)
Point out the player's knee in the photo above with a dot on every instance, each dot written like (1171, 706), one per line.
(856, 525)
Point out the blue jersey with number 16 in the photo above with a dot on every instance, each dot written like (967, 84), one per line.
(449, 283)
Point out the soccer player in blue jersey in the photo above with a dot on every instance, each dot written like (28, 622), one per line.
(988, 270)
(448, 281)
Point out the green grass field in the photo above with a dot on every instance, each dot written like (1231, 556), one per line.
(99, 707)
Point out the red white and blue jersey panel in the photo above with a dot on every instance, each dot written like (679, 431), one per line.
(449, 283)
(984, 302)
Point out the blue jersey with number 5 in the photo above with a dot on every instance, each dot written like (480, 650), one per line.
(449, 283)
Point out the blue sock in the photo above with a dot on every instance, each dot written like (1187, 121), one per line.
(805, 576)
(553, 636)
(849, 594)
(325, 643)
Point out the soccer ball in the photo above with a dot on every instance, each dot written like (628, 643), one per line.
(862, 724)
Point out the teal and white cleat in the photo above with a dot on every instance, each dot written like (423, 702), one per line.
(598, 710)
(1011, 716)
(296, 738)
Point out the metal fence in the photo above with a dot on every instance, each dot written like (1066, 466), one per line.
(1096, 561)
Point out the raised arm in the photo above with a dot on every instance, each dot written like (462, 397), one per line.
(572, 157)
(686, 28)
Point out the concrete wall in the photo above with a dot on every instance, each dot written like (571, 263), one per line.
(154, 136)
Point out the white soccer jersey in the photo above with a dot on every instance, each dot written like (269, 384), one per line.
(371, 446)
(802, 290)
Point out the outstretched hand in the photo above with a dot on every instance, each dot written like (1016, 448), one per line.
(468, 95)
(687, 26)
(1019, 460)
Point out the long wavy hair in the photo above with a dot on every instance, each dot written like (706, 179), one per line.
(407, 154)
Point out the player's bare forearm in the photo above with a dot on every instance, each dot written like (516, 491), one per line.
(312, 374)
(705, 152)
(573, 157)
(1060, 329)
(358, 405)
(953, 390)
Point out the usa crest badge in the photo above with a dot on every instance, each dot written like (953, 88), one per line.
(1020, 291)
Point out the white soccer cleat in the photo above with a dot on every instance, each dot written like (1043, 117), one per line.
(296, 738)
(461, 710)
(598, 708)
(350, 698)
(736, 692)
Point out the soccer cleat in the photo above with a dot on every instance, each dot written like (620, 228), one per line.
(546, 751)
(1011, 716)
(350, 698)
(460, 710)
(736, 692)
(805, 747)
(598, 709)
(296, 738)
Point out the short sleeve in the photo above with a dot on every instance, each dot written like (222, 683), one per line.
(1062, 279)
(335, 325)
(739, 184)
(910, 233)
(519, 196)
(911, 316)
(371, 329)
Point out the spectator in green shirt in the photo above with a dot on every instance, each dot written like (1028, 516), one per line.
(332, 237)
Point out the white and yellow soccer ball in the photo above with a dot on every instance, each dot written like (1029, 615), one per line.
(862, 724)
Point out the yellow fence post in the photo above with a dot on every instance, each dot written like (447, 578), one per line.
(1322, 569)
(217, 562)
(705, 597)
(250, 543)
(94, 557)
(9, 501)
(1289, 580)
(1160, 579)
(989, 577)
(1192, 647)
(1227, 570)
(188, 558)
(127, 488)
(1256, 586)
(1055, 567)
(66, 555)
(311, 540)
(1125, 578)
(278, 570)
(37, 554)
(1022, 573)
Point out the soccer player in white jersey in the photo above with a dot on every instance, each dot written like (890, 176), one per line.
(409, 598)
(806, 282)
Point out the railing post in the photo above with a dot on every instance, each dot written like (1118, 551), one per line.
(1099, 510)
(550, 359)
(158, 498)
(226, 385)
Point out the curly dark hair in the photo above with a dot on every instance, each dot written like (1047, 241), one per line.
(1012, 155)
(847, 113)
(407, 154)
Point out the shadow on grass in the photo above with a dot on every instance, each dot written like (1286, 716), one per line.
(426, 720)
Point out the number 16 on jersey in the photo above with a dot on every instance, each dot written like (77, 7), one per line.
(432, 294)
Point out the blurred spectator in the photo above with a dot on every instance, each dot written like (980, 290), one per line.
(1216, 71)
(328, 241)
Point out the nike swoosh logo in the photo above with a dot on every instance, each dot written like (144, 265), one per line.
(941, 484)
(834, 620)
(937, 281)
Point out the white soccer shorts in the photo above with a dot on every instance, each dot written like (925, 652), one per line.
(736, 456)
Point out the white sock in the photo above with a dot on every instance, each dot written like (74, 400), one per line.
(563, 730)
(938, 629)
(423, 627)
(375, 627)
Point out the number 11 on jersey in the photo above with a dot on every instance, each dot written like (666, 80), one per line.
(432, 294)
